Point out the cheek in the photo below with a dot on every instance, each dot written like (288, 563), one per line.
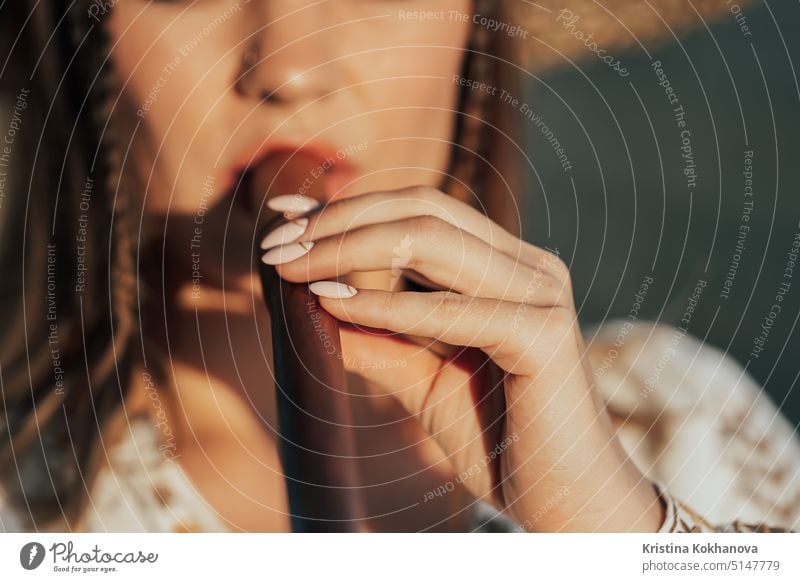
(417, 95)
(172, 96)
(419, 117)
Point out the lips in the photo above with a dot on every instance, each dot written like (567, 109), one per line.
(316, 172)
(288, 172)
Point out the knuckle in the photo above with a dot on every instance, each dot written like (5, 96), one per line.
(449, 305)
(546, 290)
(538, 281)
(390, 303)
(558, 267)
(564, 299)
(438, 233)
(559, 270)
(428, 224)
(562, 293)
(428, 200)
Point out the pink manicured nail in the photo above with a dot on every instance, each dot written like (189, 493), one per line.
(293, 204)
(287, 253)
(332, 289)
(285, 233)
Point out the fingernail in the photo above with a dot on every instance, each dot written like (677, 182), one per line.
(332, 289)
(286, 253)
(293, 204)
(285, 234)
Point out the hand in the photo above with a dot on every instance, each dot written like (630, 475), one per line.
(552, 460)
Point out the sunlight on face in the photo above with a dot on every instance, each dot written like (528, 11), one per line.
(365, 82)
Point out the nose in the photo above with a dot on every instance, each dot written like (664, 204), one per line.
(287, 58)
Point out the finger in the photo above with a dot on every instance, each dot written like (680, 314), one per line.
(398, 366)
(380, 207)
(519, 338)
(438, 250)
(451, 397)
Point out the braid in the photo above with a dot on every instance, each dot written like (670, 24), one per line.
(121, 273)
(108, 337)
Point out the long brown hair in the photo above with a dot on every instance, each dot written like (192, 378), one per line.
(68, 332)
(66, 324)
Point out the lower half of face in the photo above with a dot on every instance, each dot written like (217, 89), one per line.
(330, 99)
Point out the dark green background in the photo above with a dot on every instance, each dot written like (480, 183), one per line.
(627, 216)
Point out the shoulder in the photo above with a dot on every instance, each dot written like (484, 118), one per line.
(654, 365)
(141, 488)
(693, 418)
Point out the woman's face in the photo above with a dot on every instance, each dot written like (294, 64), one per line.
(368, 84)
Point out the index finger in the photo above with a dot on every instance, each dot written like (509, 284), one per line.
(386, 206)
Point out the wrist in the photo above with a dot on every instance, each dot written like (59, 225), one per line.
(611, 496)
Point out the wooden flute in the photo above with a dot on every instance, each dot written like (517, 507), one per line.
(317, 442)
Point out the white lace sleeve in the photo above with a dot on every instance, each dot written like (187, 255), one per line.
(680, 518)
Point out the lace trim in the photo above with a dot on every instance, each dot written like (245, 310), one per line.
(678, 518)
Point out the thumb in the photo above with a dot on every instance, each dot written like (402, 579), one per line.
(392, 362)
(455, 398)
